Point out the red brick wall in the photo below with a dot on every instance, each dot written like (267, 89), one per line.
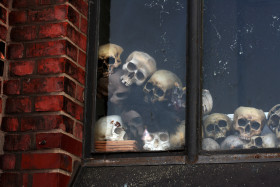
(42, 90)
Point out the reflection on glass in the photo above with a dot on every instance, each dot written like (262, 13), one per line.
(141, 88)
(240, 69)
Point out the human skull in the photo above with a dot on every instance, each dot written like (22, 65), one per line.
(138, 67)
(134, 122)
(266, 141)
(208, 144)
(117, 92)
(178, 97)
(217, 126)
(232, 142)
(159, 141)
(109, 58)
(109, 128)
(160, 85)
(273, 118)
(248, 122)
(207, 102)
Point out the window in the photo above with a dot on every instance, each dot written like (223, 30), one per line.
(141, 76)
(223, 101)
(240, 69)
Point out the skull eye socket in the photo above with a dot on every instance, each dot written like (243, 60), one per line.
(222, 123)
(121, 95)
(152, 137)
(137, 120)
(118, 130)
(131, 66)
(255, 125)
(242, 122)
(258, 141)
(149, 86)
(111, 60)
(210, 127)
(140, 75)
(277, 108)
(275, 119)
(159, 92)
(163, 137)
(100, 63)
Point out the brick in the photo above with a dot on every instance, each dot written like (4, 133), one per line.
(74, 16)
(78, 131)
(15, 51)
(51, 48)
(82, 58)
(49, 103)
(75, 72)
(53, 30)
(77, 37)
(18, 105)
(17, 17)
(10, 124)
(11, 87)
(11, 179)
(43, 85)
(51, 66)
(46, 161)
(47, 122)
(59, 140)
(69, 87)
(80, 93)
(16, 142)
(25, 33)
(3, 32)
(24, 3)
(7, 161)
(84, 25)
(50, 179)
(21, 68)
(56, 13)
(80, 5)
(73, 109)
(3, 15)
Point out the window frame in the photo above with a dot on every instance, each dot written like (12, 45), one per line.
(192, 152)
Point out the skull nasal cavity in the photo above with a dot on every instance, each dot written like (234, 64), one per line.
(247, 129)
(131, 75)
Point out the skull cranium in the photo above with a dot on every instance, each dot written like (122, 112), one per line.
(248, 122)
(109, 128)
(217, 126)
(159, 86)
(159, 141)
(208, 144)
(138, 67)
(109, 58)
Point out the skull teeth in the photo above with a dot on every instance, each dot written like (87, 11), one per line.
(244, 138)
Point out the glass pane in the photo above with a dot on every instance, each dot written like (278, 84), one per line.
(240, 70)
(141, 89)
